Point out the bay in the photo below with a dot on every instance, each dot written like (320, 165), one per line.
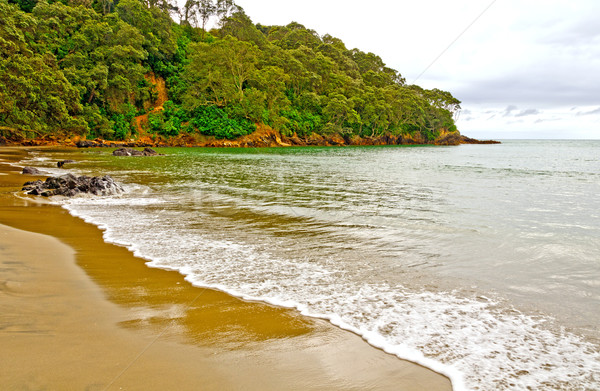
(479, 261)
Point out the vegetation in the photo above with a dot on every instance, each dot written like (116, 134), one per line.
(81, 67)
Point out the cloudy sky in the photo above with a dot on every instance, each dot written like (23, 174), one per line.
(522, 68)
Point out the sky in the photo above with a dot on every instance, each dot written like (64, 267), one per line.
(522, 68)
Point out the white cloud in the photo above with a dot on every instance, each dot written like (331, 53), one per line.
(539, 55)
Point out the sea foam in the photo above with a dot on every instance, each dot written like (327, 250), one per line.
(480, 343)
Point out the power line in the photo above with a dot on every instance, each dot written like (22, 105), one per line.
(455, 39)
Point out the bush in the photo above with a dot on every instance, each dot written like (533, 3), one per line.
(213, 121)
(303, 123)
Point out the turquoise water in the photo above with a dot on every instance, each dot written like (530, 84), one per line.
(479, 261)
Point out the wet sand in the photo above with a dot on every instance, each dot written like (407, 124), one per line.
(78, 313)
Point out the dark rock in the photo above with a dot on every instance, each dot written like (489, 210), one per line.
(69, 185)
(468, 140)
(63, 162)
(85, 144)
(149, 152)
(125, 152)
(31, 171)
(134, 152)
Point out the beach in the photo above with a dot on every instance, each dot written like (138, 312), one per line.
(79, 313)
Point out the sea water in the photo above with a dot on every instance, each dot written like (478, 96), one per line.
(481, 262)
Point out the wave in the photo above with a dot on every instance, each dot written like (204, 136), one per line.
(480, 343)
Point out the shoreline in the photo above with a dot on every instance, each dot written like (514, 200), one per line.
(263, 137)
(102, 307)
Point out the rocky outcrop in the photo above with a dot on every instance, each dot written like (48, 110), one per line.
(69, 185)
(31, 171)
(449, 139)
(134, 152)
(468, 140)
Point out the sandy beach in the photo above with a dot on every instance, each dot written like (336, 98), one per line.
(78, 313)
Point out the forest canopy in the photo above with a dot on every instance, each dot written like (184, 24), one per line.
(87, 68)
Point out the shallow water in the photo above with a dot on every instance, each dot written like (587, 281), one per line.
(479, 261)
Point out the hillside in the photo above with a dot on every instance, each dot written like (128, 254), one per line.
(126, 70)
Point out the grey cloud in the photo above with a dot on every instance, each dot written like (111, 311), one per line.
(525, 113)
(582, 31)
(508, 111)
(513, 111)
(591, 112)
(532, 89)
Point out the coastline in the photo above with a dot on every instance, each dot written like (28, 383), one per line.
(263, 137)
(84, 313)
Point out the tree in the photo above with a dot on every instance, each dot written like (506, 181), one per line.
(339, 110)
(240, 26)
(217, 73)
(206, 10)
(35, 96)
(153, 23)
(224, 8)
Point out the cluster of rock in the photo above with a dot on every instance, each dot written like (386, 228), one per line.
(70, 185)
(134, 152)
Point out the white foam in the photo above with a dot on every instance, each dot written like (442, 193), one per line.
(479, 343)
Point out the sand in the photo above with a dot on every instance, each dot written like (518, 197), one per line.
(78, 313)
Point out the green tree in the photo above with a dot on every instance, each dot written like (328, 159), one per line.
(155, 25)
(35, 96)
(206, 10)
(338, 111)
(217, 73)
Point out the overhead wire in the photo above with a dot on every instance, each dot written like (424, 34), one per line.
(454, 41)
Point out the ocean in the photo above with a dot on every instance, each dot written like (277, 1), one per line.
(481, 262)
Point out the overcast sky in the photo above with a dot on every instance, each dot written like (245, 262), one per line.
(522, 68)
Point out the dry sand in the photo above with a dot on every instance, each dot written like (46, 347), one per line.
(78, 313)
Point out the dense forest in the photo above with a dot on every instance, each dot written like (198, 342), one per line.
(93, 68)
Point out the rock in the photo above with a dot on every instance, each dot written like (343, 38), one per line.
(468, 140)
(31, 171)
(149, 152)
(63, 162)
(69, 185)
(336, 139)
(126, 152)
(454, 138)
(134, 152)
(315, 139)
(85, 144)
